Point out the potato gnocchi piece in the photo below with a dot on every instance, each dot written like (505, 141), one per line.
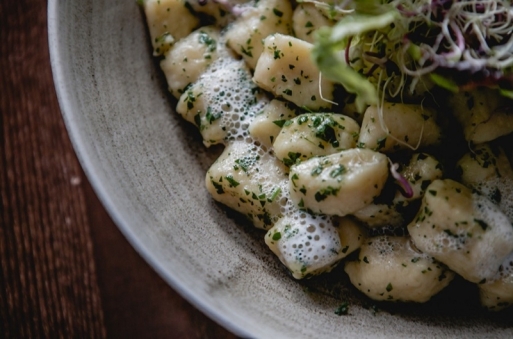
(340, 183)
(314, 134)
(267, 125)
(497, 294)
(404, 127)
(189, 58)
(223, 102)
(463, 230)
(286, 70)
(479, 113)
(499, 124)
(421, 170)
(250, 181)
(307, 18)
(310, 245)
(389, 268)
(168, 21)
(489, 171)
(255, 23)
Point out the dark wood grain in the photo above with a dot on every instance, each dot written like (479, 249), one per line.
(65, 269)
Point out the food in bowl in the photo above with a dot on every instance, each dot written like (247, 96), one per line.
(342, 128)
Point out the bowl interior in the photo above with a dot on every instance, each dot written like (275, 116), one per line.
(148, 168)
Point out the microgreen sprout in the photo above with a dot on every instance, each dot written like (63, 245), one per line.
(407, 190)
(334, 9)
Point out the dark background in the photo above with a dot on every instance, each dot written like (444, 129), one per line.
(65, 269)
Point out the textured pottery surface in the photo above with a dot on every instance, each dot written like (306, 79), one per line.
(148, 168)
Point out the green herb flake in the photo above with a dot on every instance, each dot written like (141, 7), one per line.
(277, 12)
(316, 171)
(389, 287)
(294, 158)
(293, 178)
(197, 120)
(276, 236)
(217, 186)
(246, 52)
(207, 40)
(279, 123)
(301, 203)
(211, 117)
(232, 181)
(246, 162)
(481, 223)
(343, 309)
(381, 143)
(275, 194)
(338, 171)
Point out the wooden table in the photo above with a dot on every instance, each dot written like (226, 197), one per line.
(65, 269)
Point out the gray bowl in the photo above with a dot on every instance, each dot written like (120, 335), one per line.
(148, 166)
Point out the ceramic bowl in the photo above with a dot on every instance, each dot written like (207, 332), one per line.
(148, 167)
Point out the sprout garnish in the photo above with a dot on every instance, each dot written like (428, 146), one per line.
(459, 45)
(407, 190)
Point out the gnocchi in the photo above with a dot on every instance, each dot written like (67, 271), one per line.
(286, 70)
(309, 245)
(189, 57)
(265, 17)
(481, 115)
(399, 126)
(463, 230)
(168, 21)
(340, 183)
(390, 268)
(487, 170)
(307, 19)
(314, 134)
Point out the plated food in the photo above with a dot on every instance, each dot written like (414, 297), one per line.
(334, 143)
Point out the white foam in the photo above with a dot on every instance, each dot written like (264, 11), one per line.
(233, 95)
(313, 241)
(499, 188)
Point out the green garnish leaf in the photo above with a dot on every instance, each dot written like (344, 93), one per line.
(331, 42)
(444, 82)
